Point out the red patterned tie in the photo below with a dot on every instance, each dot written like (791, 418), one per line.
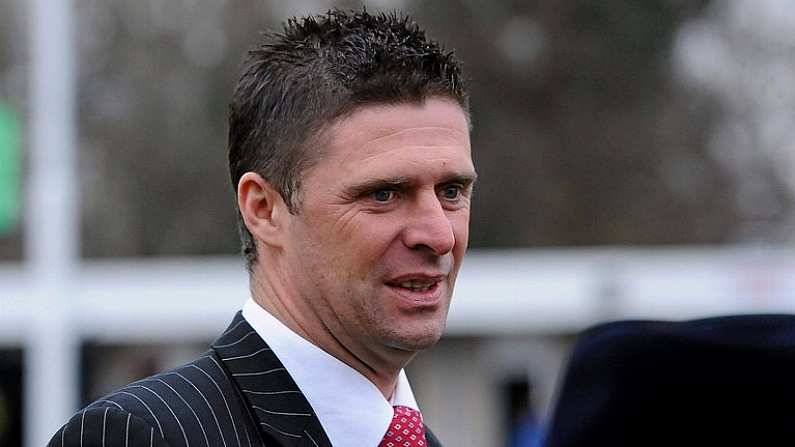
(406, 429)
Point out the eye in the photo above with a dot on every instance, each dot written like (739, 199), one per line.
(451, 192)
(383, 195)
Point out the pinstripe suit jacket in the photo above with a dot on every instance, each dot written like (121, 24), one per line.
(237, 394)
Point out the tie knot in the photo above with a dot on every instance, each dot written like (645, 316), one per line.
(406, 429)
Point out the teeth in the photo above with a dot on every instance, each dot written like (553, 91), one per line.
(419, 287)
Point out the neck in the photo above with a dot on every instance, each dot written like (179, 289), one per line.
(380, 366)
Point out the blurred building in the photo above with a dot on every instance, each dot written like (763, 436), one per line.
(635, 161)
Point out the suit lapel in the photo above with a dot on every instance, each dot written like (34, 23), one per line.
(431, 438)
(276, 404)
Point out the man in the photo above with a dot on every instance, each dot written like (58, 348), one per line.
(349, 151)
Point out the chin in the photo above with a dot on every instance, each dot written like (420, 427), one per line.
(416, 341)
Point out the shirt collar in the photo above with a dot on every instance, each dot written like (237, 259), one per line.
(357, 416)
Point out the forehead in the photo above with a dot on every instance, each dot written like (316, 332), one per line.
(388, 135)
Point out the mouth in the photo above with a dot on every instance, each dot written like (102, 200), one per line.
(418, 290)
(416, 286)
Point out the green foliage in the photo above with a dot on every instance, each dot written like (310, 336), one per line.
(9, 169)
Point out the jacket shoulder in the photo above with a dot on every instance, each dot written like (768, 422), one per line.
(106, 427)
(194, 404)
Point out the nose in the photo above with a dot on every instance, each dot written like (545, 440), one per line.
(429, 228)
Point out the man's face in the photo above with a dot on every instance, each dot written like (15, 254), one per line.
(383, 224)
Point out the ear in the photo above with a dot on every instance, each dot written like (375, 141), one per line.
(263, 209)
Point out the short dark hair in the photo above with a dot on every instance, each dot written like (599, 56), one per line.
(319, 69)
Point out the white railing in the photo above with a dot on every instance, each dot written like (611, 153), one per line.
(51, 235)
(507, 292)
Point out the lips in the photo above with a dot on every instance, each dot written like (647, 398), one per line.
(417, 286)
(416, 281)
(418, 289)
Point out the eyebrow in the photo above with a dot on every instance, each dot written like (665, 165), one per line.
(464, 179)
(401, 182)
(378, 183)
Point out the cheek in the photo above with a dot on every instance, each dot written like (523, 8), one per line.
(376, 245)
(357, 247)
(460, 224)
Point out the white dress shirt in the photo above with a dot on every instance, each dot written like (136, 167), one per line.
(351, 409)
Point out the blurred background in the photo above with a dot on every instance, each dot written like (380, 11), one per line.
(635, 161)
